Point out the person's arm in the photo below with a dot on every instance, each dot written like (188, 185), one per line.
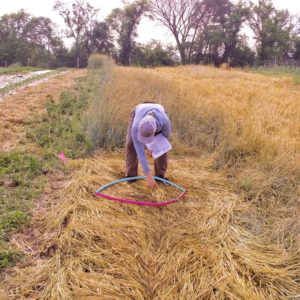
(166, 130)
(139, 148)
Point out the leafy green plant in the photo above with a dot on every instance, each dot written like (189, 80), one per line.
(12, 221)
(18, 162)
(21, 181)
(60, 128)
(7, 255)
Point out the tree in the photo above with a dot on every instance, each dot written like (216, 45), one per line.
(296, 54)
(273, 29)
(27, 39)
(13, 45)
(231, 21)
(242, 55)
(124, 24)
(185, 19)
(80, 21)
(222, 35)
(101, 40)
(153, 54)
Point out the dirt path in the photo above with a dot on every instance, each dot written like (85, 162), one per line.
(6, 80)
(16, 109)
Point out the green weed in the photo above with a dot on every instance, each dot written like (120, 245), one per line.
(11, 222)
(18, 162)
(60, 128)
(21, 181)
(7, 254)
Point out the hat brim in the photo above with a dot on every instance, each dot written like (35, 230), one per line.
(145, 140)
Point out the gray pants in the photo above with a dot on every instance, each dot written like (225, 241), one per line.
(160, 164)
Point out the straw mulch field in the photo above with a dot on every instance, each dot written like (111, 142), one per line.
(211, 245)
(236, 235)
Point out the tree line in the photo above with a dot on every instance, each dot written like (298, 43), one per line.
(205, 31)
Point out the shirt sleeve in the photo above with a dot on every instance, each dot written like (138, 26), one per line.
(139, 148)
(166, 130)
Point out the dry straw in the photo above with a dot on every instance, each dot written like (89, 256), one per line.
(245, 120)
(210, 246)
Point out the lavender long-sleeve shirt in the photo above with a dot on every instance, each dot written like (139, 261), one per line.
(163, 125)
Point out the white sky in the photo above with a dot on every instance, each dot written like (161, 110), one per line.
(147, 29)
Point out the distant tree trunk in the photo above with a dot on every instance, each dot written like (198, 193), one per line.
(185, 19)
(181, 51)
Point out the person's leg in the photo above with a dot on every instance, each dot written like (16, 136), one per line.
(160, 165)
(131, 156)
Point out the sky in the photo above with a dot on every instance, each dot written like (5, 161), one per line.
(147, 30)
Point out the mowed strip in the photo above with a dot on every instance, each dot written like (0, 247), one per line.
(16, 110)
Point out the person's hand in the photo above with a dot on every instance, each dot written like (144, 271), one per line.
(151, 182)
(149, 152)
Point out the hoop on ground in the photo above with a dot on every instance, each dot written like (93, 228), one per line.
(136, 202)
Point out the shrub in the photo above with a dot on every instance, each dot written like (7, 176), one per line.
(98, 61)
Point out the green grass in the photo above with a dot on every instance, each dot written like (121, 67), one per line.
(21, 180)
(279, 71)
(61, 128)
(17, 69)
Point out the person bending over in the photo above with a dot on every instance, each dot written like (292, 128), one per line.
(146, 121)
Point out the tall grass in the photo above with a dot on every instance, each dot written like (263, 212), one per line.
(102, 121)
(98, 61)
